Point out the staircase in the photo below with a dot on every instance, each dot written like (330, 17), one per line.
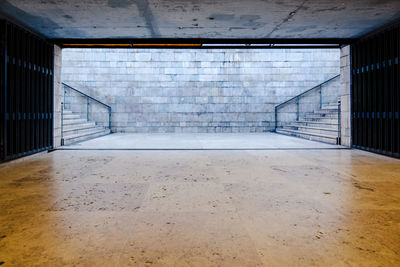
(76, 129)
(313, 114)
(320, 125)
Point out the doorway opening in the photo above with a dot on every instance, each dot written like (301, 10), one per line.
(200, 98)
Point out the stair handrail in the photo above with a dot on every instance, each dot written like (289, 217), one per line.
(85, 95)
(87, 107)
(299, 96)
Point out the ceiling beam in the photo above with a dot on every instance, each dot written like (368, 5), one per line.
(202, 43)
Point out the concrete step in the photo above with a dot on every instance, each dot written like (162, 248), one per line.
(66, 111)
(76, 128)
(321, 115)
(79, 129)
(95, 132)
(326, 111)
(73, 121)
(310, 129)
(331, 139)
(83, 132)
(330, 106)
(85, 125)
(71, 116)
(316, 124)
(323, 120)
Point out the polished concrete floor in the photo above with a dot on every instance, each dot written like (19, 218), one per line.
(301, 207)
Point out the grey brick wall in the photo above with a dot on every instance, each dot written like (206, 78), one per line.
(185, 90)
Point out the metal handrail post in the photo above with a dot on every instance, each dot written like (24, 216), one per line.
(87, 108)
(64, 95)
(298, 109)
(276, 118)
(320, 96)
(109, 118)
(62, 123)
(339, 141)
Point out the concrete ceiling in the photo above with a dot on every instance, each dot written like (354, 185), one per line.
(202, 18)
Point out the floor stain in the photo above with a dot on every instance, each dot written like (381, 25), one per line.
(357, 185)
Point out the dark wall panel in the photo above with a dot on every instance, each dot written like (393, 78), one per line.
(26, 93)
(376, 92)
(2, 88)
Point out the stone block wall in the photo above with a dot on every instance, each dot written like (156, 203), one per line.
(189, 90)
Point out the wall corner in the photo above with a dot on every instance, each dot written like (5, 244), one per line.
(345, 95)
(57, 97)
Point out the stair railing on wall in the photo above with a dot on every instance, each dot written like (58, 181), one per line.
(339, 138)
(296, 106)
(85, 105)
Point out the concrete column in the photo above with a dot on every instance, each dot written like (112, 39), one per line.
(58, 94)
(345, 96)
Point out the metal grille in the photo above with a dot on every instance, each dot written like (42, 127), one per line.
(26, 93)
(376, 92)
